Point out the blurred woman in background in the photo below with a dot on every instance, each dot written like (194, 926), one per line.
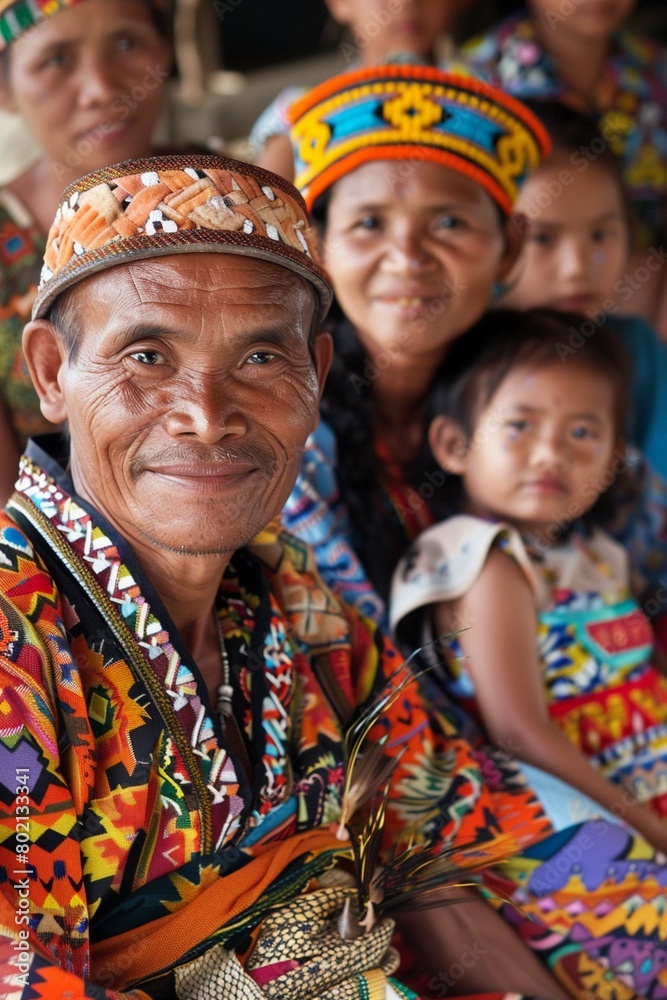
(87, 80)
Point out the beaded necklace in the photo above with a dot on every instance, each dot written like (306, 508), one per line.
(225, 690)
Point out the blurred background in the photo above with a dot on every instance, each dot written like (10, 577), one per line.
(234, 56)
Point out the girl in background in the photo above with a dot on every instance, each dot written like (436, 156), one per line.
(573, 214)
(583, 55)
(379, 31)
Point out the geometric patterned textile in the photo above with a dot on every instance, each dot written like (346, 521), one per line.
(415, 114)
(594, 644)
(593, 896)
(177, 204)
(136, 809)
(131, 807)
(316, 513)
(594, 902)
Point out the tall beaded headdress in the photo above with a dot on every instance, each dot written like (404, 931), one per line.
(413, 113)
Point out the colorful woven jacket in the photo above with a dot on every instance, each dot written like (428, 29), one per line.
(137, 852)
(138, 855)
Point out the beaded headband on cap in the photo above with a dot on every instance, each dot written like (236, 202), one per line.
(414, 113)
(177, 204)
(16, 16)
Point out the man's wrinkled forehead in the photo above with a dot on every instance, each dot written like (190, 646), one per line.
(190, 292)
(202, 274)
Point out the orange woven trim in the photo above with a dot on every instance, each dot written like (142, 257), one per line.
(142, 246)
(423, 74)
(442, 157)
(195, 161)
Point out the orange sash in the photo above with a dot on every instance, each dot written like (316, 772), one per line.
(138, 954)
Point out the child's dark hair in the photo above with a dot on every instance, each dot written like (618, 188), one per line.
(479, 362)
(576, 137)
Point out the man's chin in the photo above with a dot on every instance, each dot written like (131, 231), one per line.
(196, 545)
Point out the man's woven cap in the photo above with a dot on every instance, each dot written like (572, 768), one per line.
(177, 204)
(415, 113)
(17, 16)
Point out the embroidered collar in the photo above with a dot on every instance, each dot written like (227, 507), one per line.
(250, 620)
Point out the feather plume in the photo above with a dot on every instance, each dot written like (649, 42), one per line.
(367, 769)
(365, 842)
(416, 874)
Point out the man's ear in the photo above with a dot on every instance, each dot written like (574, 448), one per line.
(46, 355)
(449, 444)
(514, 231)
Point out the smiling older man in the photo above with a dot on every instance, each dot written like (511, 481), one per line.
(175, 680)
(173, 702)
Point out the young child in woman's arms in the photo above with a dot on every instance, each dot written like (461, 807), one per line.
(531, 601)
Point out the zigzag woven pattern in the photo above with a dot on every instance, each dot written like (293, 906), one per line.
(177, 204)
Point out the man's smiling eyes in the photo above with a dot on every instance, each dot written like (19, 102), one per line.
(148, 357)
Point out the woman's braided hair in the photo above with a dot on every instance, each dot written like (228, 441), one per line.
(347, 406)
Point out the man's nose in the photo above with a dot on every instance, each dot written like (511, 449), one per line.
(207, 410)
